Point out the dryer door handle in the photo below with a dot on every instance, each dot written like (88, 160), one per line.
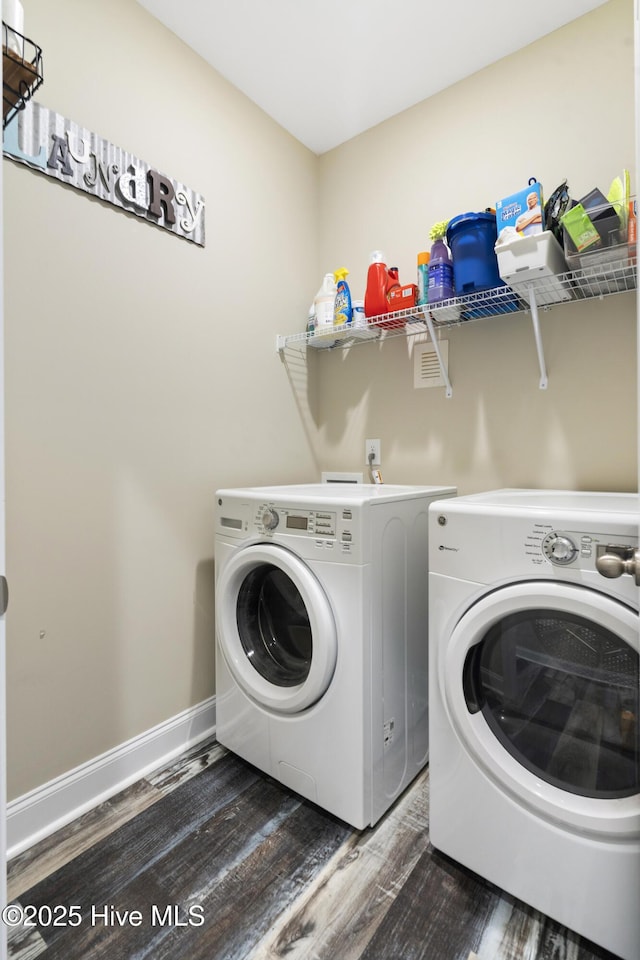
(471, 682)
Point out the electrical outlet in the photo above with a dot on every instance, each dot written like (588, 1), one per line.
(372, 447)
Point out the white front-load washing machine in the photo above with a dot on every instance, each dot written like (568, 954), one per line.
(534, 701)
(321, 638)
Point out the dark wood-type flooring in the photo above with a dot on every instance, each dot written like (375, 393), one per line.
(223, 863)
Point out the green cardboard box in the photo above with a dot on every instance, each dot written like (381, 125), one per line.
(580, 228)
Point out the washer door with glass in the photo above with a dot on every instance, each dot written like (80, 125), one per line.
(275, 628)
(542, 683)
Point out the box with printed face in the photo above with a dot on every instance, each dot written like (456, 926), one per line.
(523, 211)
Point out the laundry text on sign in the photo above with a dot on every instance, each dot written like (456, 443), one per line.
(59, 148)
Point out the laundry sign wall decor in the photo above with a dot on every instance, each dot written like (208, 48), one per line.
(60, 148)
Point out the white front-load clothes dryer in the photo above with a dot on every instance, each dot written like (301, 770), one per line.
(321, 638)
(534, 702)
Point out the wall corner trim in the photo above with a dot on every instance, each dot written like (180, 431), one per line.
(42, 811)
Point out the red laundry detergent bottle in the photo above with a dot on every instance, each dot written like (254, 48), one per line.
(378, 282)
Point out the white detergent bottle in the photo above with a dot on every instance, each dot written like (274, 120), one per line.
(324, 303)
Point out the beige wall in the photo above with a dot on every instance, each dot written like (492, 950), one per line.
(562, 107)
(141, 374)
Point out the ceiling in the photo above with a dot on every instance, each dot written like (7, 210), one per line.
(327, 70)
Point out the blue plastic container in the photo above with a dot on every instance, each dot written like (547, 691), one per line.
(471, 238)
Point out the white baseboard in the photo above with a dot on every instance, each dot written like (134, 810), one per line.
(42, 811)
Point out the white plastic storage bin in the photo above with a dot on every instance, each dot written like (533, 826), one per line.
(536, 261)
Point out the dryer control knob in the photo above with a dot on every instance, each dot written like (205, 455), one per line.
(559, 549)
(270, 519)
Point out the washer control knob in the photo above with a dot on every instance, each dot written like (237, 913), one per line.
(559, 549)
(270, 518)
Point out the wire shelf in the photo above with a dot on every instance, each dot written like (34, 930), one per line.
(22, 72)
(594, 276)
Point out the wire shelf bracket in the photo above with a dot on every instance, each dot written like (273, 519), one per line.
(544, 382)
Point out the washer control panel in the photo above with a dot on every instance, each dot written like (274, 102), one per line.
(577, 549)
(324, 526)
(330, 528)
(312, 523)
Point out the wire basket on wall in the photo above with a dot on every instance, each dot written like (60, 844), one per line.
(22, 72)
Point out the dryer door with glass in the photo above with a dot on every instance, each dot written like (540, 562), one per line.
(541, 681)
(275, 628)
